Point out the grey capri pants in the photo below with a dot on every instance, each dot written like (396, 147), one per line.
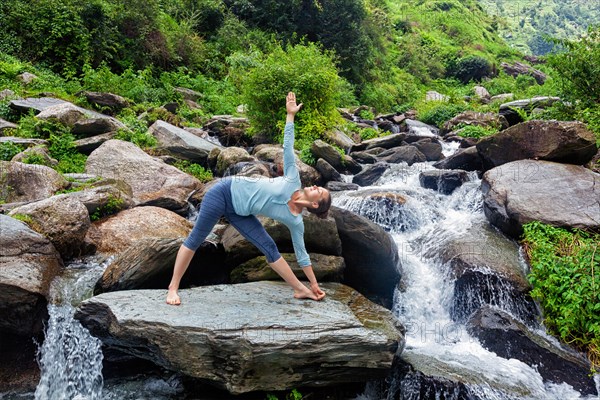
(216, 204)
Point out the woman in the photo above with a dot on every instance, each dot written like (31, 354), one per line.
(240, 199)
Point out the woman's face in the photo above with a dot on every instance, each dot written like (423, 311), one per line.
(316, 193)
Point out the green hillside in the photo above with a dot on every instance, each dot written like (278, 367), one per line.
(525, 23)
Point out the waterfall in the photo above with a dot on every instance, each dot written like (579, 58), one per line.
(70, 358)
(436, 340)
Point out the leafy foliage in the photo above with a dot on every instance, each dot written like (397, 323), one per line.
(8, 150)
(307, 71)
(196, 170)
(440, 113)
(565, 274)
(579, 67)
(471, 68)
(112, 206)
(475, 131)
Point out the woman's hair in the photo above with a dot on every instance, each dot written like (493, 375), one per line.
(323, 209)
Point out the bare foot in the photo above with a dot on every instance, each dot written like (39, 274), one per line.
(173, 298)
(306, 293)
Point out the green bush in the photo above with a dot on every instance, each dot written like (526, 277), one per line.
(440, 113)
(303, 69)
(196, 170)
(474, 131)
(565, 275)
(471, 68)
(8, 150)
(579, 67)
(112, 206)
(63, 149)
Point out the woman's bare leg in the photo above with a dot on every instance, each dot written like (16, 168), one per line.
(300, 290)
(182, 262)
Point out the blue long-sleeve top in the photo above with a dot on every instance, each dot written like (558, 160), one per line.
(270, 196)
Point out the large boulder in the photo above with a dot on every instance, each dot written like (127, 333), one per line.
(499, 332)
(153, 182)
(62, 219)
(105, 195)
(77, 118)
(252, 336)
(230, 156)
(33, 103)
(443, 181)
(181, 143)
(527, 190)
(371, 174)
(22, 183)
(115, 234)
(341, 162)
(518, 68)
(486, 269)
(148, 264)
(386, 142)
(560, 141)
(408, 154)
(320, 236)
(473, 118)
(467, 159)
(28, 263)
(371, 256)
(508, 110)
(109, 100)
(5, 125)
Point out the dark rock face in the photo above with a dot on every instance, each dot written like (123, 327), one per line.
(339, 186)
(408, 154)
(565, 142)
(444, 181)
(504, 335)
(371, 174)
(467, 159)
(507, 109)
(371, 255)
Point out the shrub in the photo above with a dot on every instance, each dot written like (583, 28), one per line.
(8, 150)
(579, 67)
(475, 131)
(63, 149)
(196, 170)
(470, 68)
(112, 206)
(565, 275)
(440, 113)
(303, 69)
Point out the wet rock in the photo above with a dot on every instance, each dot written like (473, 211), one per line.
(28, 182)
(432, 150)
(153, 182)
(443, 181)
(241, 344)
(560, 141)
(339, 186)
(28, 263)
(418, 128)
(116, 233)
(386, 142)
(467, 159)
(364, 157)
(370, 174)
(371, 255)
(329, 153)
(556, 194)
(181, 143)
(499, 332)
(62, 219)
(340, 139)
(487, 269)
(326, 269)
(407, 154)
(327, 171)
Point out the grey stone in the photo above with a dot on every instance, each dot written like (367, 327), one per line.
(252, 336)
(443, 181)
(467, 159)
(371, 174)
(527, 190)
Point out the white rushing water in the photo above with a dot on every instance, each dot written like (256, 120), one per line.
(421, 227)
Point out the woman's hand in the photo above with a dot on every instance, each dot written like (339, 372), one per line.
(290, 104)
(314, 287)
